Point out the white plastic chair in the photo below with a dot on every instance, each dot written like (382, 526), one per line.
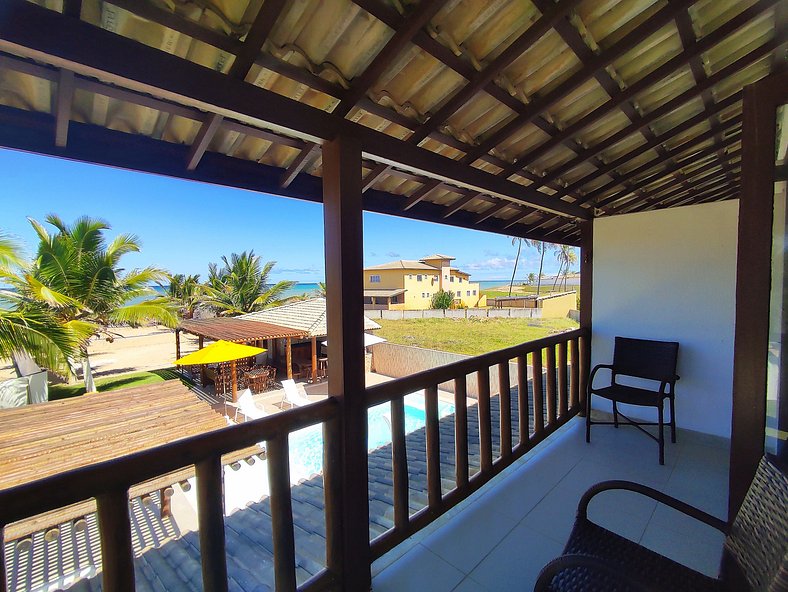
(294, 394)
(247, 406)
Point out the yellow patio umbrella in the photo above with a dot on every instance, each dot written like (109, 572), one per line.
(219, 352)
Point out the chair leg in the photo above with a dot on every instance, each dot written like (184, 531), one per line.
(615, 414)
(588, 418)
(672, 421)
(660, 410)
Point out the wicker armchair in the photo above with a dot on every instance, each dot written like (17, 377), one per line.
(755, 554)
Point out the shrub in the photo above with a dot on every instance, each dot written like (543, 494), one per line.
(442, 299)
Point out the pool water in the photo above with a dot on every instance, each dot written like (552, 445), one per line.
(306, 446)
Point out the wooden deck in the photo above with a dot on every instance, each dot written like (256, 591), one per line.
(38, 441)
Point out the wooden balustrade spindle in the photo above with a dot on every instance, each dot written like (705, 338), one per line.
(585, 364)
(505, 401)
(536, 362)
(574, 381)
(281, 513)
(563, 391)
(3, 582)
(332, 493)
(485, 419)
(433, 447)
(399, 464)
(461, 432)
(210, 515)
(550, 391)
(522, 398)
(117, 552)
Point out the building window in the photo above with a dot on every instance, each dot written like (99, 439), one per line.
(374, 279)
(418, 278)
(460, 280)
(445, 277)
(459, 293)
(474, 292)
(452, 279)
(468, 293)
(410, 276)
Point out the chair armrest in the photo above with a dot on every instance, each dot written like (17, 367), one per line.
(593, 373)
(564, 562)
(676, 504)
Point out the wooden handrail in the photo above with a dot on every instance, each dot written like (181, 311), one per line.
(63, 489)
(386, 391)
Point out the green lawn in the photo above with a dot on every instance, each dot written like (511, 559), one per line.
(472, 336)
(111, 383)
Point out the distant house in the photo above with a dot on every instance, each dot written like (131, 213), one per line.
(410, 285)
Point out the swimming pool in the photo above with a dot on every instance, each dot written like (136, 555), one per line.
(306, 446)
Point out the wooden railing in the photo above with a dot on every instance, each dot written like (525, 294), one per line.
(109, 483)
(544, 402)
(548, 395)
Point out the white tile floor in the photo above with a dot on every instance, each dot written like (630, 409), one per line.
(501, 537)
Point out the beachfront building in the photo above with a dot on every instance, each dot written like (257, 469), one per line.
(410, 285)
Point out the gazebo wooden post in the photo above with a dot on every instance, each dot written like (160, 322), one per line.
(289, 357)
(348, 552)
(178, 347)
(234, 381)
(203, 378)
(314, 358)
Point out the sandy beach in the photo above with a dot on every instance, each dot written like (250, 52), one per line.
(133, 349)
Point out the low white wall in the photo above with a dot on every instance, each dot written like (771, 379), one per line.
(671, 275)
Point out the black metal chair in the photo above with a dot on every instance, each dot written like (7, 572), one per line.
(639, 358)
(754, 557)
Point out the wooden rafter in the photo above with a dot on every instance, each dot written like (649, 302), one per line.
(715, 179)
(599, 61)
(403, 35)
(65, 100)
(373, 176)
(647, 182)
(492, 210)
(244, 59)
(304, 158)
(421, 193)
(552, 13)
(716, 132)
(459, 204)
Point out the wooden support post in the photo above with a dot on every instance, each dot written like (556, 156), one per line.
(289, 357)
(485, 419)
(586, 304)
(281, 514)
(314, 359)
(178, 347)
(165, 493)
(461, 431)
(203, 376)
(348, 517)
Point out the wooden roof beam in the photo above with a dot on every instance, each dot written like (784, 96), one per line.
(718, 195)
(403, 35)
(663, 174)
(304, 158)
(203, 138)
(552, 13)
(63, 104)
(657, 113)
(32, 31)
(636, 36)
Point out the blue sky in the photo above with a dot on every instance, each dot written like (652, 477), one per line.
(185, 225)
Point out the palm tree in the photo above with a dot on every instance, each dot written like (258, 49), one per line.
(77, 275)
(27, 325)
(519, 242)
(186, 291)
(321, 289)
(241, 285)
(566, 257)
(541, 247)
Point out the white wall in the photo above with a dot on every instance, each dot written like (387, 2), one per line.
(671, 275)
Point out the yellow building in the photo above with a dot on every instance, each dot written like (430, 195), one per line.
(410, 285)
